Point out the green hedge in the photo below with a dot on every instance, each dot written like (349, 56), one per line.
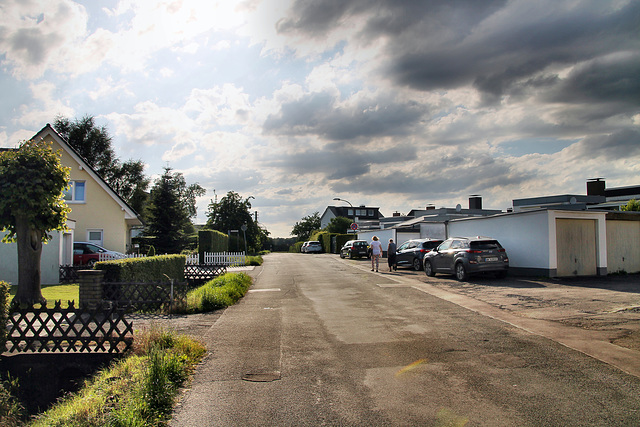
(4, 311)
(211, 241)
(296, 247)
(149, 269)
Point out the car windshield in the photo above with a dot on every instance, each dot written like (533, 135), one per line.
(485, 245)
(431, 245)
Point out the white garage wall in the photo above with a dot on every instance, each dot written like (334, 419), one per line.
(525, 236)
(49, 261)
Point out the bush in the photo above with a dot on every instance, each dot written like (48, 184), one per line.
(4, 311)
(254, 260)
(137, 391)
(220, 292)
(296, 247)
(150, 269)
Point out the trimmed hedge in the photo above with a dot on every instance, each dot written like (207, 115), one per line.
(211, 241)
(149, 269)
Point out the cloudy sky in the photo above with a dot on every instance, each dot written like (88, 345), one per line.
(388, 103)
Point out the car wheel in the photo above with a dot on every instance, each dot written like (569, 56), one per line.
(91, 263)
(341, 254)
(350, 255)
(461, 272)
(416, 264)
(428, 269)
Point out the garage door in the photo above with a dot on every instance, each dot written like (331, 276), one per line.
(576, 244)
(623, 246)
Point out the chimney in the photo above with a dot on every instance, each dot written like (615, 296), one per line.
(475, 202)
(431, 207)
(396, 214)
(596, 187)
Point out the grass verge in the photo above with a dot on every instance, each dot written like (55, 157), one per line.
(139, 390)
(63, 292)
(218, 293)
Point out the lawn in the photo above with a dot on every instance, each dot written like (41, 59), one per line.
(66, 292)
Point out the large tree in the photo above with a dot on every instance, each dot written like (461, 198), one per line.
(339, 224)
(172, 204)
(306, 226)
(93, 143)
(32, 181)
(232, 212)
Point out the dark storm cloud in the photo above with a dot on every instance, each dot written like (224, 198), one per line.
(619, 145)
(494, 45)
(318, 114)
(342, 163)
(444, 177)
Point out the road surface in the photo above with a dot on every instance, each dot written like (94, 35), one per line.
(322, 341)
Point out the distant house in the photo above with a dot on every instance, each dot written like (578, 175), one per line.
(98, 214)
(364, 216)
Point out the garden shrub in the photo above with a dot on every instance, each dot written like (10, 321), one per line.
(160, 268)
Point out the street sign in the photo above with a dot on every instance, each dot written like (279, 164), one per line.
(354, 226)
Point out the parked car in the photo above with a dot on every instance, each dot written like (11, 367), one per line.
(86, 253)
(313, 246)
(411, 252)
(303, 248)
(355, 248)
(463, 256)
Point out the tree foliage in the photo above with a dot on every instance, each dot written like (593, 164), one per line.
(339, 224)
(231, 213)
(632, 206)
(306, 226)
(172, 204)
(32, 181)
(93, 143)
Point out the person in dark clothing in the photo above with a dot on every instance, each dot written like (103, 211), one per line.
(391, 255)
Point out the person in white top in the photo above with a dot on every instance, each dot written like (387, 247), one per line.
(376, 252)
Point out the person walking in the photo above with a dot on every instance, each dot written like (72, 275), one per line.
(391, 255)
(376, 252)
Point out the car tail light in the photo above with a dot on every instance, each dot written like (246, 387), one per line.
(501, 250)
(472, 251)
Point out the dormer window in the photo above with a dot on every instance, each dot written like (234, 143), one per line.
(75, 192)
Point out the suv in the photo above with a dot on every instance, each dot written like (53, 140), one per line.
(86, 253)
(355, 248)
(411, 252)
(463, 256)
(313, 246)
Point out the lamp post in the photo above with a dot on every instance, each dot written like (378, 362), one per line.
(343, 200)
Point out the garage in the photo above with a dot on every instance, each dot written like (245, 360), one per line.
(623, 242)
(576, 247)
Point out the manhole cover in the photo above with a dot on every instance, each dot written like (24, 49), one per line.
(263, 377)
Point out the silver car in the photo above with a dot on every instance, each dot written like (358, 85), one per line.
(463, 256)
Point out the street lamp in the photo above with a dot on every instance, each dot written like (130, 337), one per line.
(342, 200)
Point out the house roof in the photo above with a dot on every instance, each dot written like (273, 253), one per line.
(130, 213)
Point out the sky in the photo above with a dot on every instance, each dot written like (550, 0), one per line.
(393, 104)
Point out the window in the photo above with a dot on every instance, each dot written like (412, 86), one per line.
(370, 212)
(349, 212)
(75, 192)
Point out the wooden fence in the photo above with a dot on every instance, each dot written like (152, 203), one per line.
(64, 330)
(229, 259)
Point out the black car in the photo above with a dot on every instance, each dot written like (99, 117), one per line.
(411, 252)
(355, 248)
(463, 256)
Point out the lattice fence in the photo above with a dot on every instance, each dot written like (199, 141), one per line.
(198, 274)
(69, 273)
(146, 296)
(64, 330)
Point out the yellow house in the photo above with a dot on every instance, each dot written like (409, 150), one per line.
(100, 215)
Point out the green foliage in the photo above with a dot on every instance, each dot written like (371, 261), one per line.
(218, 293)
(254, 260)
(4, 311)
(339, 225)
(171, 205)
(11, 410)
(211, 241)
(93, 143)
(231, 213)
(32, 181)
(295, 248)
(632, 206)
(136, 391)
(306, 226)
(150, 269)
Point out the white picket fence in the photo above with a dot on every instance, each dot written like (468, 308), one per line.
(230, 259)
(110, 257)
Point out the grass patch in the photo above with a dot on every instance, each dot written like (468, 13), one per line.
(254, 260)
(218, 293)
(139, 390)
(64, 293)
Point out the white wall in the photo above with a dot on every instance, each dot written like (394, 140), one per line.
(383, 236)
(525, 236)
(433, 231)
(49, 262)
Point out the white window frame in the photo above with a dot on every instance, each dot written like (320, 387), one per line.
(95, 230)
(73, 192)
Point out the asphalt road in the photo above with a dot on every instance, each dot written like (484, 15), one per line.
(324, 341)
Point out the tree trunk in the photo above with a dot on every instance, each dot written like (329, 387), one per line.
(29, 253)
